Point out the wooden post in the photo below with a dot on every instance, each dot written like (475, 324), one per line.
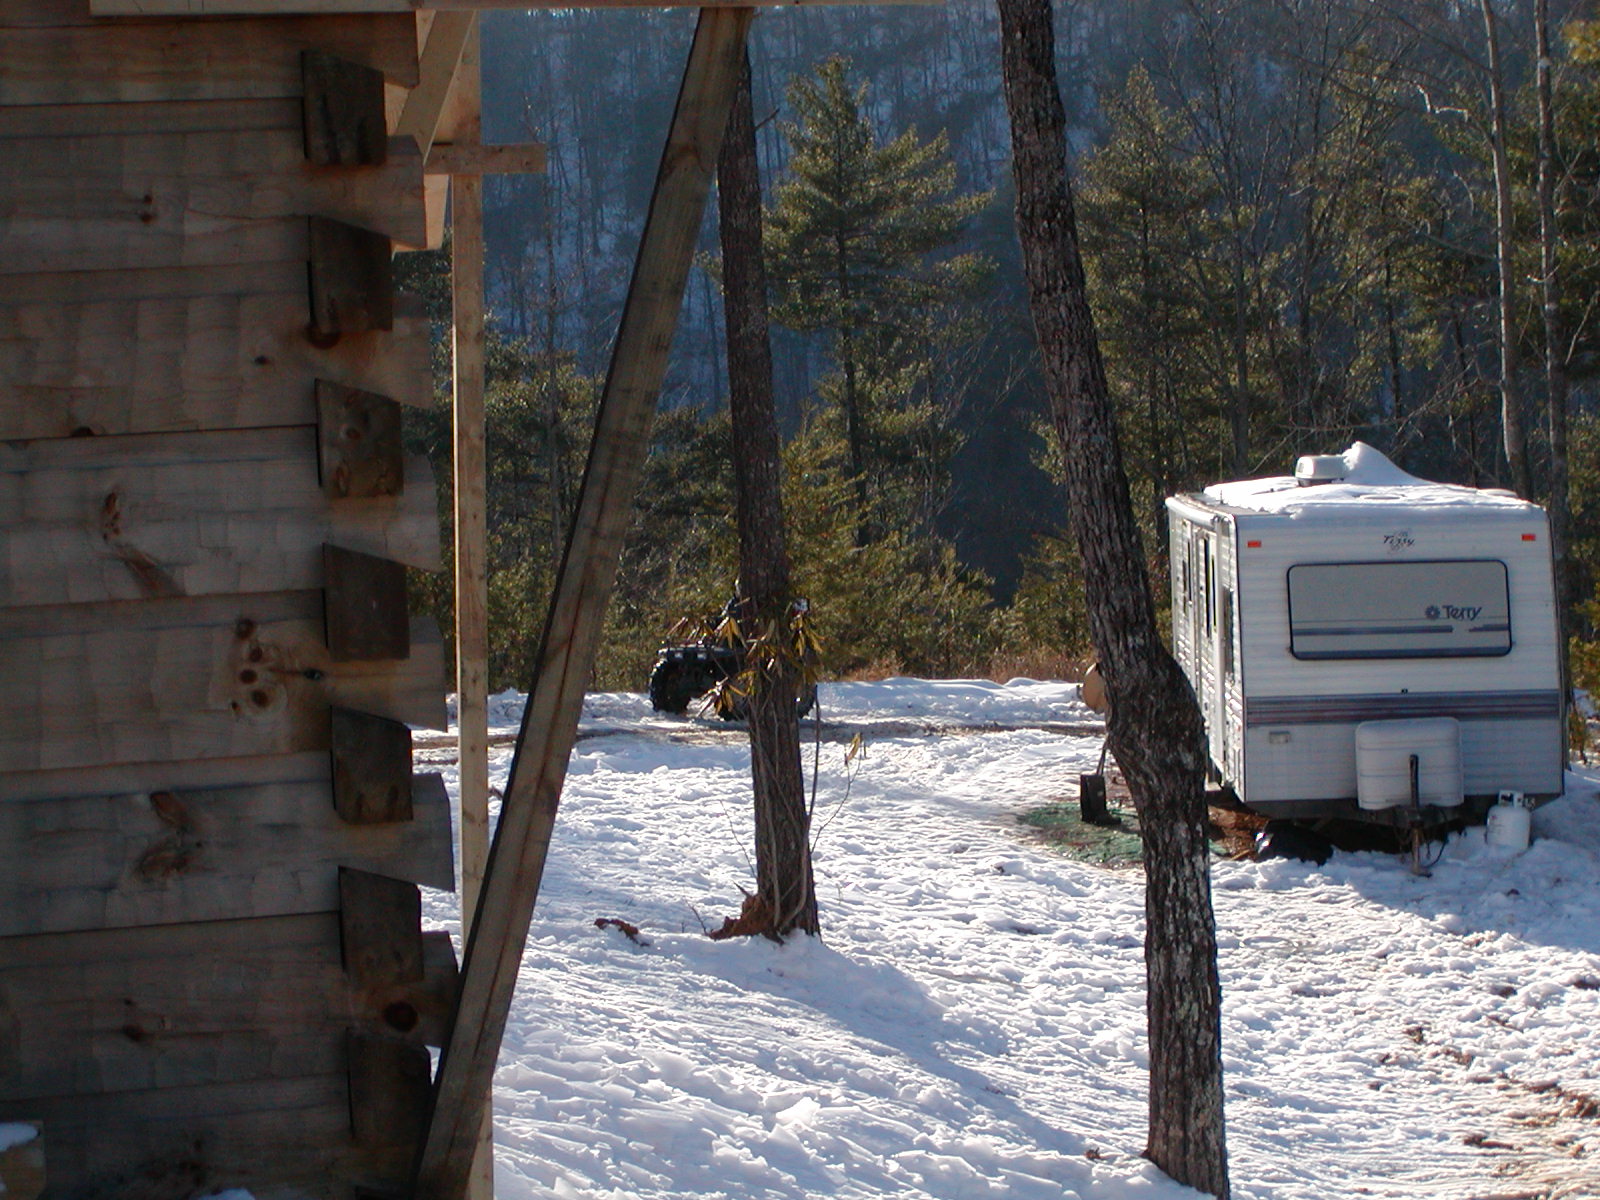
(577, 610)
(471, 533)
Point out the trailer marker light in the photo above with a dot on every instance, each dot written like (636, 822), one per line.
(1530, 537)
(1254, 544)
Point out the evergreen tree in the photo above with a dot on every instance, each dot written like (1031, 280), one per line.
(854, 240)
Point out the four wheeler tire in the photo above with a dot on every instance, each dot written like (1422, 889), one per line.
(674, 684)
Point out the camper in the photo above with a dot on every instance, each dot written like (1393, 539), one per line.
(1364, 643)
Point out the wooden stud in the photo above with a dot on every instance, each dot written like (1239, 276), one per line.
(358, 444)
(364, 605)
(351, 277)
(380, 932)
(566, 657)
(371, 768)
(389, 1082)
(344, 123)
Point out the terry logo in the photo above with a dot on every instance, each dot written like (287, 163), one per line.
(1400, 540)
(1453, 612)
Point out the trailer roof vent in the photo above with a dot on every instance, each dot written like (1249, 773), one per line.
(1312, 469)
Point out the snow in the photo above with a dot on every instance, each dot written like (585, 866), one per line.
(971, 1023)
(14, 1133)
(1369, 478)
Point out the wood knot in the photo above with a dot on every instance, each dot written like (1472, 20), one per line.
(111, 516)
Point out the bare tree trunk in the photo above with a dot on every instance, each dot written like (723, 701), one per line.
(784, 886)
(1513, 427)
(1154, 726)
(1555, 352)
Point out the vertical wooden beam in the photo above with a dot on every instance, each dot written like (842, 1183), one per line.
(471, 530)
(583, 588)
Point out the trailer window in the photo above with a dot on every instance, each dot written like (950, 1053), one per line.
(1441, 609)
(1227, 632)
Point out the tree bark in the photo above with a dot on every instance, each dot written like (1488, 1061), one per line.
(784, 886)
(1512, 425)
(1557, 388)
(1153, 725)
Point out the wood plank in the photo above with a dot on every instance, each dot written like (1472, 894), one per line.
(226, 361)
(462, 124)
(198, 774)
(90, 519)
(155, 283)
(192, 678)
(352, 278)
(359, 451)
(188, 199)
(371, 768)
(344, 122)
(436, 70)
(577, 611)
(471, 519)
(157, 116)
(115, 861)
(211, 60)
(275, 1136)
(455, 158)
(364, 605)
(132, 1009)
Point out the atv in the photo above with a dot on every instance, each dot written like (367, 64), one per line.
(703, 658)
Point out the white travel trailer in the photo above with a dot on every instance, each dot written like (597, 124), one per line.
(1354, 594)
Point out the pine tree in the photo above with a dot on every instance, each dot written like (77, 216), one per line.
(854, 240)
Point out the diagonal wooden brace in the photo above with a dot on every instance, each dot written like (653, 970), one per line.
(577, 610)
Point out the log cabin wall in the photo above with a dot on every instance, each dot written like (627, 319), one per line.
(211, 968)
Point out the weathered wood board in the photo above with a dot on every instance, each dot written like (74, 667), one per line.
(89, 519)
(158, 116)
(111, 862)
(188, 199)
(210, 60)
(224, 361)
(132, 1010)
(275, 1136)
(195, 774)
(155, 283)
(192, 678)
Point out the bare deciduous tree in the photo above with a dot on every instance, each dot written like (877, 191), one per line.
(785, 899)
(1153, 726)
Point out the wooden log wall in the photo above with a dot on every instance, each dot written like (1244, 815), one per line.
(212, 972)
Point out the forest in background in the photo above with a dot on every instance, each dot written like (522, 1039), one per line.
(1289, 216)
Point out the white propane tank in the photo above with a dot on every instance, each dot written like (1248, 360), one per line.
(1384, 750)
(1510, 823)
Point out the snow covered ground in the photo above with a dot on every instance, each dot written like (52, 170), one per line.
(971, 1022)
